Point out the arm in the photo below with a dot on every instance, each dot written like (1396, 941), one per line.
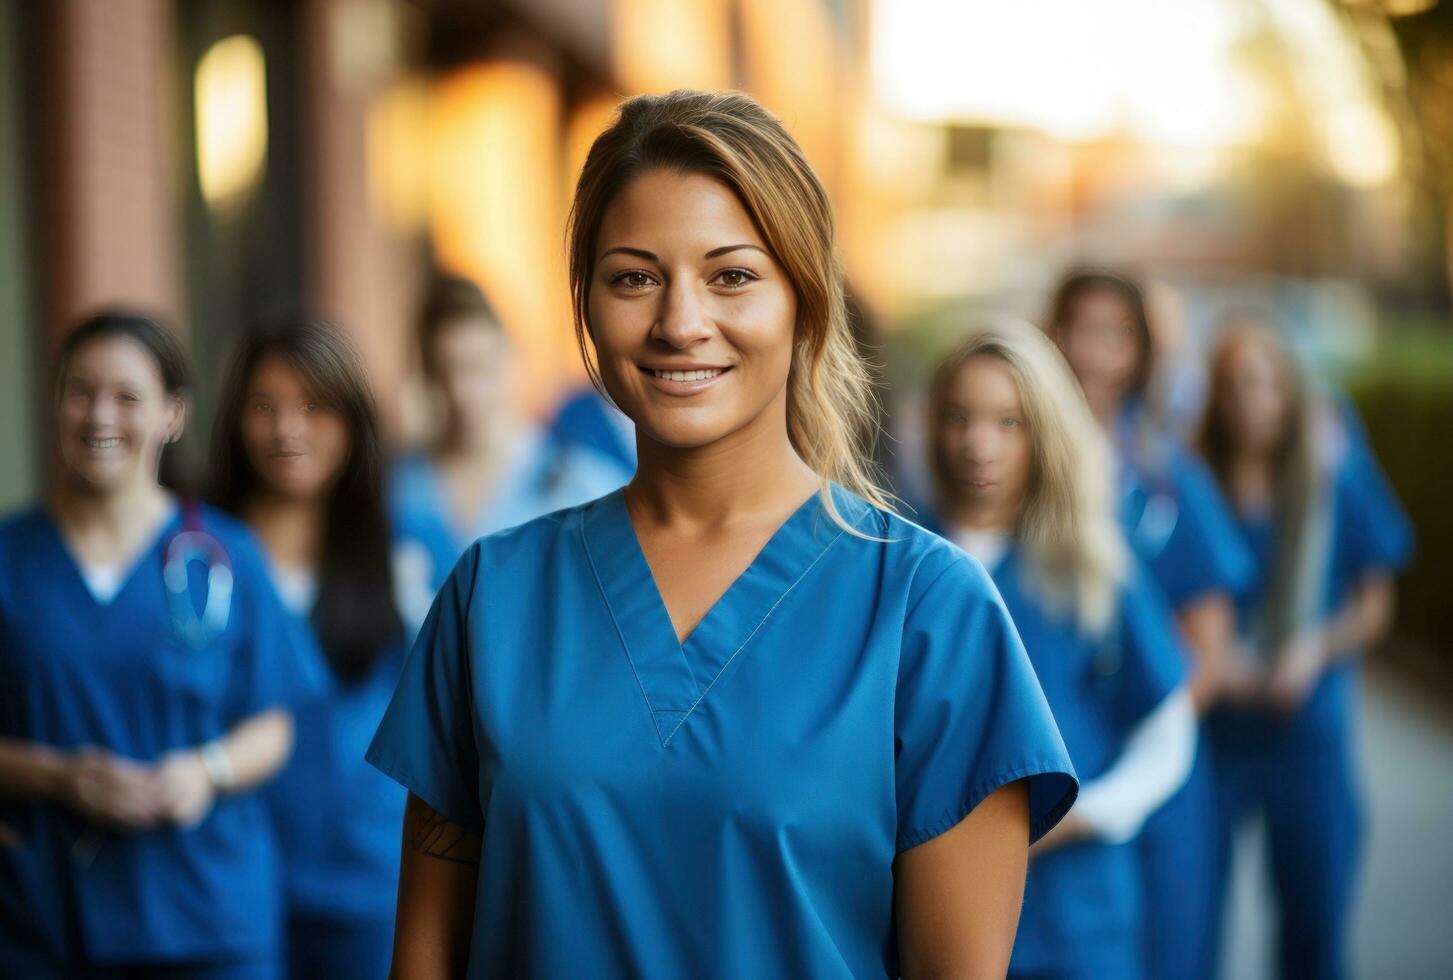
(957, 896)
(437, 877)
(1363, 620)
(1207, 624)
(100, 786)
(188, 781)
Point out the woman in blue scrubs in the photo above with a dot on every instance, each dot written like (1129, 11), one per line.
(1180, 527)
(1326, 546)
(146, 667)
(737, 719)
(1024, 484)
(491, 467)
(296, 454)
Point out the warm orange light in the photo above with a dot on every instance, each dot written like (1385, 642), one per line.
(398, 154)
(495, 207)
(230, 92)
(661, 45)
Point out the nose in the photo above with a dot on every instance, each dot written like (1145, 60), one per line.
(290, 423)
(684, 320)
(101, 412)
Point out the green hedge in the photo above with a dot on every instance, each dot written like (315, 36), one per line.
(1405, 395)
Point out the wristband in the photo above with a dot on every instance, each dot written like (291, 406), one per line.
(218, 766)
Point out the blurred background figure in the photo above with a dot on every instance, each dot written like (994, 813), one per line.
(296, 455)
(489, 468)
(1178, 524)
(1025, 485)
(1284, 738)
(146, 670)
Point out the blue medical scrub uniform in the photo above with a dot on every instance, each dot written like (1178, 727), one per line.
(1301, 771)
(1178, 523)
(77, 899)
(540, 476)
(586, 419)
(338, 823)
(731, 806)
(1084, 904)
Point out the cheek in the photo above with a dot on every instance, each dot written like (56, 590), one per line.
(333, 443)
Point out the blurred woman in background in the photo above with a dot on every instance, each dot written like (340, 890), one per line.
(1178, 523)
(1024, 485)
(296, 455)
(1284, 739)
(146, 669)
(491, 468)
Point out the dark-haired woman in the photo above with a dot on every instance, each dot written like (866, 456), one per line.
(1326, 547)
(1179, 525)
(490, 468)
(296, 454)
(737, 719)
(146, 669)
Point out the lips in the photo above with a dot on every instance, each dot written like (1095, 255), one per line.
(686, 380)
(101, 444)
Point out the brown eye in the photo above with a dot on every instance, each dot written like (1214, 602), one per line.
(734, 278)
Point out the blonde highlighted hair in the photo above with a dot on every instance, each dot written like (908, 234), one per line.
(831, 406)
(1072, 543)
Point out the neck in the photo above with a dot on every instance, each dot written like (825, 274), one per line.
(115, 512)
(984, 515)
(750, 472)
(483, 439)
(1104, 405)
(290, 529)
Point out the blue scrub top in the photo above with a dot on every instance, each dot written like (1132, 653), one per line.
(730, 807)
(540, 476)
(1175, 517)
(337, 817)
(76, 672)
(1087, 896)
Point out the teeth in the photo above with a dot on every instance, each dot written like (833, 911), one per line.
(688, 375)
(111, 443)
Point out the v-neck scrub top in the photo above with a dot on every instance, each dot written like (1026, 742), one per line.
(730, 807)
(76, 672)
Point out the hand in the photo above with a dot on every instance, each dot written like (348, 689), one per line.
(1067, 831)
(109, 789)
(184, 788)
(1242, 681)
(1295, 673)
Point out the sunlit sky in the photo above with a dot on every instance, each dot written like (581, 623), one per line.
(1168, 73)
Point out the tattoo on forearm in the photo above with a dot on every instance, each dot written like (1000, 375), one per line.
(431, 834)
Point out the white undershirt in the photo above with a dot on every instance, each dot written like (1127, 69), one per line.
(104, 581)
(296, 587)
(987, 546)
(1155, 762)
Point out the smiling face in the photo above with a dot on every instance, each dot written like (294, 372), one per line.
(984, 443)
(693, 319)
(296, 445)
(115, 414)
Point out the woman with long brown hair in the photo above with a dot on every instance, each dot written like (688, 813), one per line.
(1284, 739)
(737, 719)
(296, 455)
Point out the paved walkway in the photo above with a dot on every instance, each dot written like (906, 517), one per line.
(1404, 917)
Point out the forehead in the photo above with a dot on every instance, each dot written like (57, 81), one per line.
(114, 359)
(275, 374)
(1099, 302)
(984, 379)
(662, 208)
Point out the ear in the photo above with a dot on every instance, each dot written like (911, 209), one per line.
(177, 409)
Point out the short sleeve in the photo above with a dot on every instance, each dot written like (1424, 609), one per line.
(282, 665)
(1154, 657)
(426, 740)
(1200, 550)
(1373, 531)
(970, 716)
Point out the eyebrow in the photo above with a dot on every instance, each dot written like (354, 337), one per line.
(641, 253)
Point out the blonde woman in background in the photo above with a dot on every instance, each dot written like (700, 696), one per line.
(1024, 485)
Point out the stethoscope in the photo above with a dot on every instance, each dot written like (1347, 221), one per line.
(191, 543)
